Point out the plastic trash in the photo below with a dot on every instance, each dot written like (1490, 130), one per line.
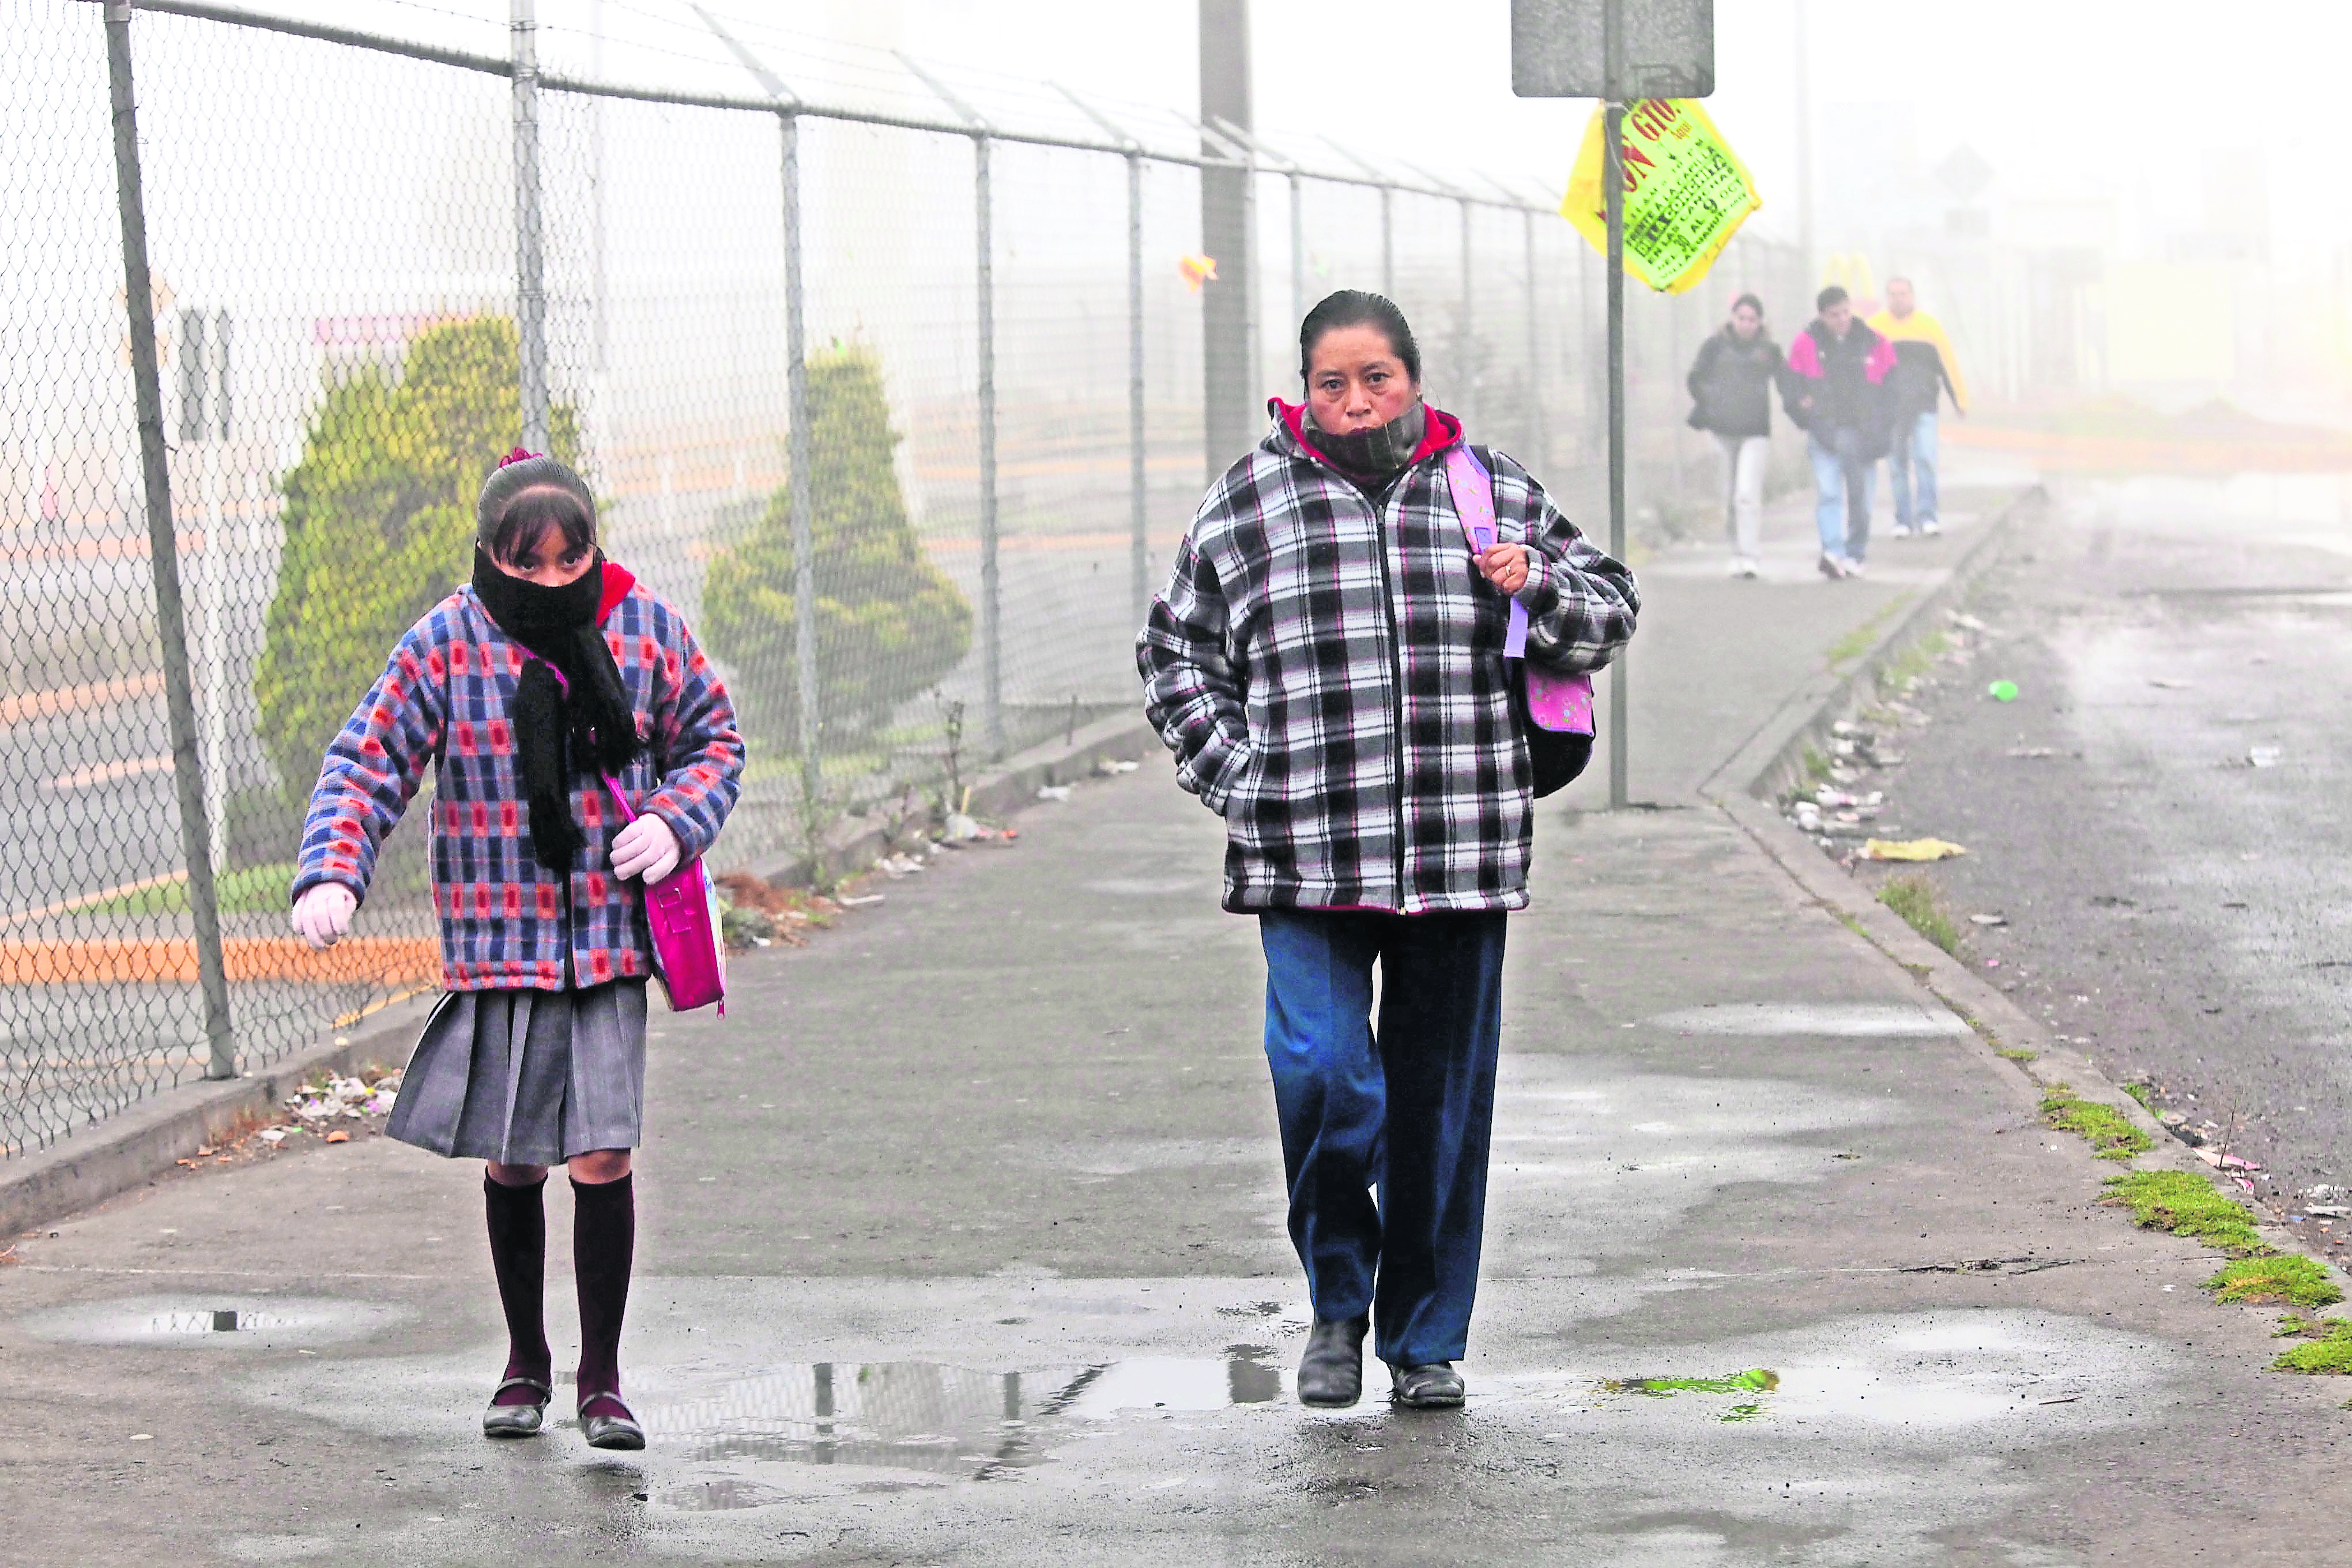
(1911, 849)
(2002, 692)
(1055, 793)
(2265, 756)
(1989, 920)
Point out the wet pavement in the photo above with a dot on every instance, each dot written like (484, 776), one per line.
(2176, 909)
(961, 1242)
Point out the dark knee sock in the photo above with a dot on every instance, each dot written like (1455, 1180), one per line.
(603, 1245)
(518, 1223)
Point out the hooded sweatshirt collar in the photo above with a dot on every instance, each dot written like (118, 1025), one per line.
(1443, 430)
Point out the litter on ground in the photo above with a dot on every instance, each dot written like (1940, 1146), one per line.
(2265, 756)
(1911, 849)
(2002, 692)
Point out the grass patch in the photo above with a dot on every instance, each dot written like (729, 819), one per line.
(1914, 661)
(1756, 1380)
(256, 889)
(2189, 1205)
(2106, 1128)
(2016, 1054)
(1856, 643)
(2288, 1279)
(1914, 899)
(2141, 1093)
(1816, 767)
(2329, 1354)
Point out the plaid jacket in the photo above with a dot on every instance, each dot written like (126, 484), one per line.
(507, 922)
(1328, 672)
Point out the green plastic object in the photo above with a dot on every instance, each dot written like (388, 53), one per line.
(2002, 691)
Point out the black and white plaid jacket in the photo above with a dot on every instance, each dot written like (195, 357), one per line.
(1329, 671)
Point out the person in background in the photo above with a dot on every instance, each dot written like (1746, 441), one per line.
(1731, 386)
(1925, 369)
(1836, 390)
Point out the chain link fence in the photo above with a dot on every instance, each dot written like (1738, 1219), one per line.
(970, 296)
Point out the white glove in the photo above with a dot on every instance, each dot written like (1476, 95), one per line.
(322, 915)
(645, 848)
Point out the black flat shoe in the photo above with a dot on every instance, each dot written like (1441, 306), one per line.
(517, 1420)
(1434, 1385)
(612, 1426)
(1331, 1372)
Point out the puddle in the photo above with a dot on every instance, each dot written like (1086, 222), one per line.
(264, 1323)
(1842, 1019)
(924, 1416)
(720, 1496)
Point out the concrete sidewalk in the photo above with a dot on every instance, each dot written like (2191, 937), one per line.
(962, 1242)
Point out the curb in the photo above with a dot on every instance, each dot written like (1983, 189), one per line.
(1743, 789)
(136, 1145)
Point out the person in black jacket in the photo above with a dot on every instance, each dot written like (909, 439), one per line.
(1731, 386)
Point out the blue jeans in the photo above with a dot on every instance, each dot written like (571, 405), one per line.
(1410, 1110)
(1914, 453)
(1843, 487)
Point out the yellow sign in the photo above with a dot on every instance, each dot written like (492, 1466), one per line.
(1686, 192)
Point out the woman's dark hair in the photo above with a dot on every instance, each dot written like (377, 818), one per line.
(523, 495)
(1752, 302)
(1832, 295)
(1355, 308)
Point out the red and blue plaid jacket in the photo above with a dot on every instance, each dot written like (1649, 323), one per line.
(507, 922)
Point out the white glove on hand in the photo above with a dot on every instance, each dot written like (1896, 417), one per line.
(645, 848)
(322, 915)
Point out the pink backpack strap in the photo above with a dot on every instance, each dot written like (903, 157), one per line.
(1474, 502)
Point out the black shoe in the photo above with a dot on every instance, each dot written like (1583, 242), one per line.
(1331, 1373)
(1432, 1386)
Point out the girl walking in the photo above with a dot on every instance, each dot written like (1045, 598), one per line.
(552, 670)
(1327, 662)
(1731, 384)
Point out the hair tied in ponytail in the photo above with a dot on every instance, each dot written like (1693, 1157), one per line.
(518, 456)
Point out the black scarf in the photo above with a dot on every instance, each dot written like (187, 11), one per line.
(588, 708)
(1372, 457)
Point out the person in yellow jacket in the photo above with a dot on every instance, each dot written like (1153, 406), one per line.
(1925, 369)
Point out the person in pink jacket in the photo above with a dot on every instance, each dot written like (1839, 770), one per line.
(1837, 393)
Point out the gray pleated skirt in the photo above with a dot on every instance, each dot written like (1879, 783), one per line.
(527, 1078)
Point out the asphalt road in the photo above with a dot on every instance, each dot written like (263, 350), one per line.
(2186, 914)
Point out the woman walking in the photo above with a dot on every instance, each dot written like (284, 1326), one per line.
(1327, 664)
(553, 671)
(1731, 384)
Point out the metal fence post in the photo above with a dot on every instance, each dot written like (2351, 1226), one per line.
(1462, 354)
(530, 258)
(1297, 255)
(1613, 182)
(1138, 500)
(171, 621)
(802, 477)
(1540, 444)
(992, 598)
(1387, 241)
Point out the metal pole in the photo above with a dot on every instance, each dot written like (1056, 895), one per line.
(530, 262)
(599, 342)
(1612, 183)
(170, 622)
(1539, 435)
(1298, 256)
(1139, 585)
(1804, 146)
(801, 481)
(1387, 241)
(992, 608)
(1462, 353)
(215, 618)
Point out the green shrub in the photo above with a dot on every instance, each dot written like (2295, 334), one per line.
(890, 625)
(379, 518)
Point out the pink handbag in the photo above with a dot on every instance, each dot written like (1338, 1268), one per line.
(682, 909)
(1556, 708)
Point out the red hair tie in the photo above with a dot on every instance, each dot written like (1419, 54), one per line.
(517, 456)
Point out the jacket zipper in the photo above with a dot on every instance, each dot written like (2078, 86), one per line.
(1396, 686)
